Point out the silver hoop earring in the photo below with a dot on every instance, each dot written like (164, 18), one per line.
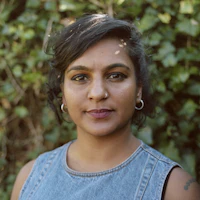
(62, 107)
(141, 106)
(65, 116)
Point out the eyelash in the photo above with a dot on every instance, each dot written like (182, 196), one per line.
(79, 77)
(115, 76)
(118, 76)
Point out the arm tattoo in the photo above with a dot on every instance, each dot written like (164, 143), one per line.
(188, 183)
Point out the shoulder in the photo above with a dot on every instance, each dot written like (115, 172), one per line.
(34, 167)
(181, 185)
(21, 178)
(178, 183)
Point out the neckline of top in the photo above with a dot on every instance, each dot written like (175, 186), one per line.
(99, 173)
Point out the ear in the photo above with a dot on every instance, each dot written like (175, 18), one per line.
(139, 94)
(63, 96)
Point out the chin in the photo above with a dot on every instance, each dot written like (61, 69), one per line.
(102, 132)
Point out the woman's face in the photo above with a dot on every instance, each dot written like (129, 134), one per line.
(100, 89)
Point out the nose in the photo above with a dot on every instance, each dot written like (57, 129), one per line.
(97, 90)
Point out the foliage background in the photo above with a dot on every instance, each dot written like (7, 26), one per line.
(171, 35)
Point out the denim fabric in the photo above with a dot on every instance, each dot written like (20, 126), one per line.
(141, 176)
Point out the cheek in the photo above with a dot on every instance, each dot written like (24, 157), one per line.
(128, 98)
(73, 97)
(127, 92)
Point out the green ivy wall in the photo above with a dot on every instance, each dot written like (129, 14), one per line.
(171, 35)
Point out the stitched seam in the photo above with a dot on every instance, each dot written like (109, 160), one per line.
(160, 157)
(149, 178)
(117, 168)
(43, 173)
(142, 187)
(141, 177)
(25, 185)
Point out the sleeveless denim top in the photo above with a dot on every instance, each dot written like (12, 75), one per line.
(141, 176)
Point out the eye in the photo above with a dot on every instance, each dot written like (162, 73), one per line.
(117, 76)
(79, 78)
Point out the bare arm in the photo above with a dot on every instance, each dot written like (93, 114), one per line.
(181, 186)
(20, 180)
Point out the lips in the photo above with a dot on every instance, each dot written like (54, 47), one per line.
(99, 113)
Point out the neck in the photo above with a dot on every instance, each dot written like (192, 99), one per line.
(90, 153)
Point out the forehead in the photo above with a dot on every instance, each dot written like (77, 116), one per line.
(105, 52)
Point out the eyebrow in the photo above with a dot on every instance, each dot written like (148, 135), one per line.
(109, 67)
(78, 68)
(116, 65)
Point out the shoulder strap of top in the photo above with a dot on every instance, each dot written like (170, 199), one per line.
(148, 170)
(38, 173)
(155, 173)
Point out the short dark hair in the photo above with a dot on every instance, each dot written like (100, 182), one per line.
(75, 39)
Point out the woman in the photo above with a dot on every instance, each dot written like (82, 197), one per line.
(99, 66)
